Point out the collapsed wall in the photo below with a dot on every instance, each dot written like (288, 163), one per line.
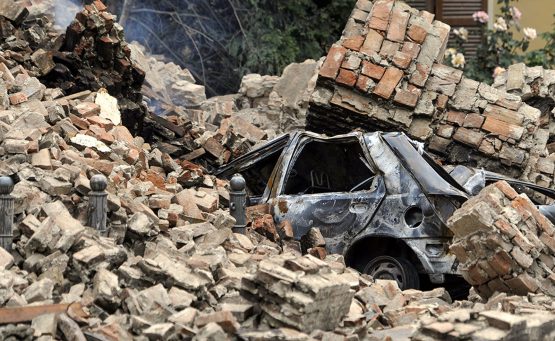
(504, 243)
(386, 73)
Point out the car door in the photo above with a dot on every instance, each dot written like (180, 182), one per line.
(328, 203)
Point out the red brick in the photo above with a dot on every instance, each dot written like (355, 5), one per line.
(401, 60)
(460, 253)
(544, 224)
(364, 83)
(498, 285)
(389, 81)
(379, 16)
(487, 147)
(417, 33)
(389, 48)
(505, 228)
(503, 114)
(408, 97)
(333, 61)
(99, 6)
(372, 43)
(501, 128)
(476, 276)
(351, 62)
(456, 117)
(502, 263)
(523, 284)
(441, 102)
(87, 109)
(420, 75)
(79, 122)
(287, 229)
(521, 241)
(548, 241)
(346, 77)
(372, 70)
(521, 206)
(18, 98)
(521, 258)
(318, 252)
(473, 120)
(468, 137)
(484, 265)
(353, 43)
(266, 227)
(411, 49)
(427, 16)
(398, 25)
(101, 122)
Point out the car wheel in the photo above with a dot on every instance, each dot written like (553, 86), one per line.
(394, 268)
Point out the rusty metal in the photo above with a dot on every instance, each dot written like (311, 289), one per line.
(28, 313)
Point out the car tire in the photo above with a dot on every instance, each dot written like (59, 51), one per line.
(394, 268)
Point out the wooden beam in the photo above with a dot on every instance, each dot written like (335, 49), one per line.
(28, 313)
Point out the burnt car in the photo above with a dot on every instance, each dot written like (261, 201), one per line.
(377, 198)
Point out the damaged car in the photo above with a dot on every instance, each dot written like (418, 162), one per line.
(377, 198)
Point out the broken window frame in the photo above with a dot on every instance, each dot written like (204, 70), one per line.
(308, 138)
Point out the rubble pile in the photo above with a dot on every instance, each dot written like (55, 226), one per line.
(504, 243)
(386, 73)
(214, 131)
(95, 55)
(485, 323)
(170, 265)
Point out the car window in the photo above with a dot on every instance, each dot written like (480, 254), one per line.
(324, 166)
(257, 175)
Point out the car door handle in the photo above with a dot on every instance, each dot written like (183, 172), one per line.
(358, 207)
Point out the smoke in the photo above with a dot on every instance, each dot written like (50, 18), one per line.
(65, 11)
(192, 33)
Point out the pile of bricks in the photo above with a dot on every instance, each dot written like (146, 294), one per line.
(489, 323)
(302, 293)
(504, 243)
(386, 73)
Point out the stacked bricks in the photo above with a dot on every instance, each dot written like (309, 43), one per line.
(94, 56)
(386, 73)
(302, 293)
(536, 86)
(467, 324)
(504, 243)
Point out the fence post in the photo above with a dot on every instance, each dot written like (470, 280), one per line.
(98, 203)
(6, 212)
(238, 202)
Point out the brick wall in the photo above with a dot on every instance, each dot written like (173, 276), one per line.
(386, 73)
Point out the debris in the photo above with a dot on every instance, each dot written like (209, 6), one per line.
(170, 265)
(504, 243)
